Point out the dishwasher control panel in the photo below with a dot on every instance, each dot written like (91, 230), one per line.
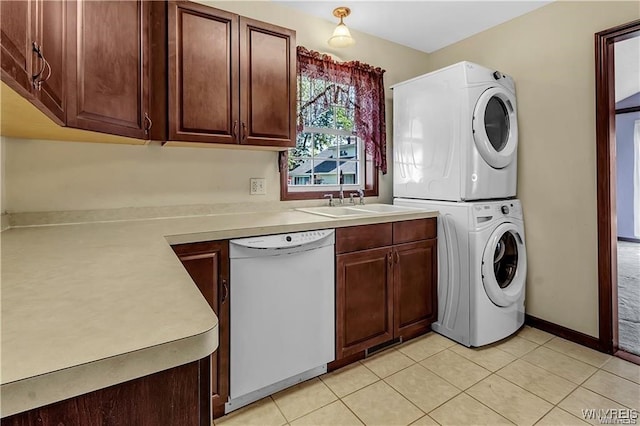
(282, 241)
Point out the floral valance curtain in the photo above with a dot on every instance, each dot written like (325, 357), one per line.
(368, 100)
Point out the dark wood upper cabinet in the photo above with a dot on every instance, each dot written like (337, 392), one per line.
(208, 265)
(50, 34)
(108, 67)
(232, 80)
(267, 84)
(15, 42)
(203, 74)
(33, 52)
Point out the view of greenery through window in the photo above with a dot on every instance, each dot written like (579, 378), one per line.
(326, 148)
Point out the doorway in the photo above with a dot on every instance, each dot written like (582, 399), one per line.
(606, 186)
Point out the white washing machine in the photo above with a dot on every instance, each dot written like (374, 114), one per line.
(482, 269)
(455, 135)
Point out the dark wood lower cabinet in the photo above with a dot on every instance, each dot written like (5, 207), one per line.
(384, 293)
(415, 275)
(208, 265)
(364, 293)
(170, 397)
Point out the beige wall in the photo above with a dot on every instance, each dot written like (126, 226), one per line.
(550, 54)
(52, 176)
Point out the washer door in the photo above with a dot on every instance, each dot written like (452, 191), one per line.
(495, 127)
(504, 265)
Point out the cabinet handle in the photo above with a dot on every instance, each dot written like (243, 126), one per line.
(147, 123)
(225, 291)
(234, 131)
(397, 256)
(36, 78)
(390, 258)
(244, 132)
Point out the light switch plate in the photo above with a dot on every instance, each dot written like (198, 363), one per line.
(258, 186)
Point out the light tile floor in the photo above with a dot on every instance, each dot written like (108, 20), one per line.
(530, 378)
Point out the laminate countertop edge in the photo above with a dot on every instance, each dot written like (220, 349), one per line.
(38, 391)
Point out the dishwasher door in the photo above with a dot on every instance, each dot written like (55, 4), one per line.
(282, 310)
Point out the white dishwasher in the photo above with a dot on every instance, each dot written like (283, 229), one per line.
(282, 321)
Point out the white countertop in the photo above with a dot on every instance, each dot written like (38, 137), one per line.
(86, 306)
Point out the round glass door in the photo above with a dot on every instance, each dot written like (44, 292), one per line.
(505, 260)
(495, 127)
(496, 123)
(504, 265)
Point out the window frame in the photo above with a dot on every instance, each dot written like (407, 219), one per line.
(369, 174)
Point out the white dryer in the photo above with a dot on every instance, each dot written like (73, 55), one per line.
(455, 135)
(482, 269)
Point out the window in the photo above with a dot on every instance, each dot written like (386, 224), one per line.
(333, 129)
(327, 150)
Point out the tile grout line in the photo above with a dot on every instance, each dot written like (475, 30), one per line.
(403, 368)
(340, 398)
(444, 402)
(279, 409)
(485, 405)
(573, 357)
(318, 408)
(526, 390)
(604, 396)
(407, 399)
(395, 390)
(516, 385)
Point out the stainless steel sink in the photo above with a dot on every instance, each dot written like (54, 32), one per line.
(357, 210)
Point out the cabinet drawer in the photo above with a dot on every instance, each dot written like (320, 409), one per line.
(354, 238)
(414, 230)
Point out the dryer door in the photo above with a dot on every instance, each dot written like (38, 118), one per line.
(504, 265)
(495, 127)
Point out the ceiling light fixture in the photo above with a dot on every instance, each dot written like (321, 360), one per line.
(341, 35)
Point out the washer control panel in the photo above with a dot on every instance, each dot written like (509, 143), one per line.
(483, 213)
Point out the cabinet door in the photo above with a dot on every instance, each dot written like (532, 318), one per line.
(108, 55)
(364, 300)
(50, 34)
(267, 84)
(415, 278)
(15, 44)
(208, 266)
(203, 74)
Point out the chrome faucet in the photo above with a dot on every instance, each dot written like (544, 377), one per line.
(330, 197)
(341, 194)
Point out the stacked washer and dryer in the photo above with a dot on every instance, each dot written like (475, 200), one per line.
(455, 151)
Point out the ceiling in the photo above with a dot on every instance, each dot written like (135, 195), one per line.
(627, 67)
(422, 25)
